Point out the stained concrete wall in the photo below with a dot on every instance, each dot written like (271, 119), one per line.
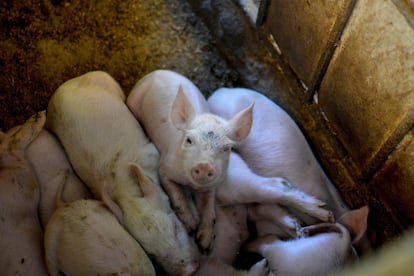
(355, 59)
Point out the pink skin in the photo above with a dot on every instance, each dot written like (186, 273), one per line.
(52, 168)
(84, 238)
(275, 147)
(22, 237)
(321, 249)
(245, 195)
(110, 152)
(194, 144)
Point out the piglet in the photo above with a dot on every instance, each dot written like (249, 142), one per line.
(275, 147)
(111, 154)
(84, 237)
(21, 242)
(320, 249)
(52, 167)
(240, 199)
(194, 144)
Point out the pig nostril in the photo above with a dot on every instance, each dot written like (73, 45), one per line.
(196, 171)
(209, 174)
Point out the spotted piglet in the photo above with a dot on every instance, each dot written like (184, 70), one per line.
(194, 144)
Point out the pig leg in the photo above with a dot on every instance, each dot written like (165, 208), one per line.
(243, 186)
(273, 219)
(181, 203)
(319, 228)
(205, 234)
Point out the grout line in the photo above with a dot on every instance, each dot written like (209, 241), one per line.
(327, 55)
(403, 128)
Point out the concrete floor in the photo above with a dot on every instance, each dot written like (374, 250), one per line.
(46, 42)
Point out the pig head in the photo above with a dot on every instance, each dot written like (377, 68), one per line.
(21, 242)
(194, 144)
(111, 154)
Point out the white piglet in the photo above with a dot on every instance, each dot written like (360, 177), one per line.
(320, 249)
(83, 237)
(112, 155)
(276, 146)
(194, 144)
(52, 167)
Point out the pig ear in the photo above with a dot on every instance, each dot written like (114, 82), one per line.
(356, 222)
(143, 181)
(182, 111)
(241, 124)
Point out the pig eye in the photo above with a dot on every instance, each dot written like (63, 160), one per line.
(189, 141)
(226, 148)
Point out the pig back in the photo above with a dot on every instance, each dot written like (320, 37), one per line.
(84, 238)
(98, 132)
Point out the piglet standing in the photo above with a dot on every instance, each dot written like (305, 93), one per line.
(21, 242)
(111, 154)
(52, 167)
(194, 144)
(83, 237)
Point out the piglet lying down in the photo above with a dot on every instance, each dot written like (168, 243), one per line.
(20, 230)
(195, 148)
(112, 155)
(84, 238)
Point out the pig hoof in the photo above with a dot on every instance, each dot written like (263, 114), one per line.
(205, 241)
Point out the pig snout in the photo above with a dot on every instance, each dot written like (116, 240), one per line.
(203, 173)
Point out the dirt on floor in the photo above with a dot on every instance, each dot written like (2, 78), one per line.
(46, 42)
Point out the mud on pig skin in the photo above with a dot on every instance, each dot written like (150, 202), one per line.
(194, 144)
(83, 237)
(21, 242)
(53, 168)
(111, 154)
